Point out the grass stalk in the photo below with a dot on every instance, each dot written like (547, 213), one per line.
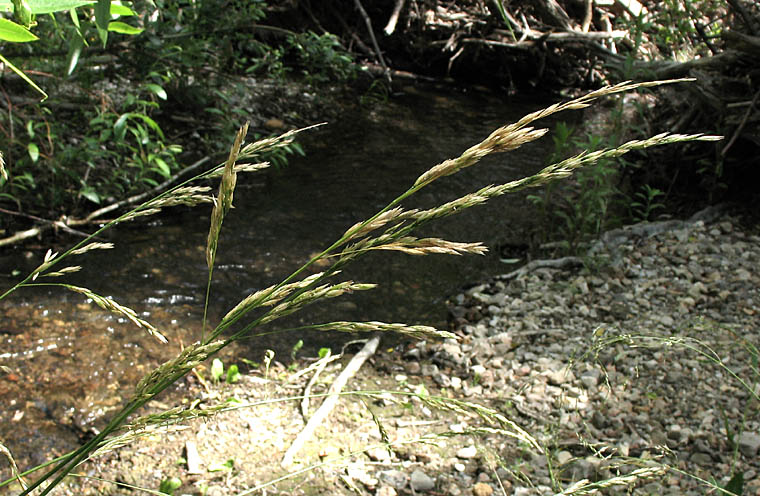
(290, 295)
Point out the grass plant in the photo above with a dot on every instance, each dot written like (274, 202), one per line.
(391, 228)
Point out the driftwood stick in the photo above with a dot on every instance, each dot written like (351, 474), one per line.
(391, 26)
(142, 196)
(320, 366)
(368, 22)
(557, 263)
(331, 400)
(740, 128)
(66, 223)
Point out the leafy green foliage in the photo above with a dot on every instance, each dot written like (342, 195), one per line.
(169, 485)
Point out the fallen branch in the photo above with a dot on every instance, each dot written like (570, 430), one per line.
(68, 224)
(331, 400)
(556, 263)
(391, 26)
(368, 22)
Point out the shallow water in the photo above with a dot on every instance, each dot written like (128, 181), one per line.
(73, 363)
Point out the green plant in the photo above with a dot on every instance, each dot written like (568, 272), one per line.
(321, 57)
(391, 228)
(169, 485)
(645, 203)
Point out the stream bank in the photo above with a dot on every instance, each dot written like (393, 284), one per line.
(599, 364)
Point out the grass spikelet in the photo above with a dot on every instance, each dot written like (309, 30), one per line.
(92, 246)
(47, 261)
(490, 415)
(139, 213)
(6, 452)
(427, 246)
(114, 307)
(267, 297)
(218, 171)
(187, 360)
(223, 201)
(584, 486)
(186, 195)
(312, 295)
(274, 142)
(415, 331)
(361, 228)
(64, 271)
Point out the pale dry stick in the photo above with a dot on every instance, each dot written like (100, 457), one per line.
(332, 399)
(320, 366)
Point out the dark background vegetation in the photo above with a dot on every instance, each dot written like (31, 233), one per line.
(126, 117)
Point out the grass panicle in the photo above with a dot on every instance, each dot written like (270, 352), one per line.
(66, 270)
(188, 359)
(7, 453)
(267, 297)
(92, 246)
(117, 308)
(414, 331)
(223, 201)
(291, 295)
(307, 297)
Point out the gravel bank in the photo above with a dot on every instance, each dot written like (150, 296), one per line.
(611, 367)
(619, 358)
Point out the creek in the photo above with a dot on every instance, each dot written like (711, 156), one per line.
(72, 364)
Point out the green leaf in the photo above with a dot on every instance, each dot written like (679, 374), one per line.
(221, 467)
(323, 352)
(23, 76)
(16, 33)
(102, 18)
(736, 484)
(162, 167)
(120, 126)
(90, 193)
(168, 486)
(217, 369)
(123, 28)
(76, 44)
(47, 6)
(233, 375)
(34, 152)
(121, 10)
(157, 90)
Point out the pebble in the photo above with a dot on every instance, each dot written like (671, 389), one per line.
(420, 481)
(482, 489)
(467, 452)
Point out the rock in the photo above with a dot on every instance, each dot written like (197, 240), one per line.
(467, 452)
(563, 457)
(420, 481)
(749, 444)
(385, 491)
(482, 489)
(378, 454)
(393, 478)
(590, 378)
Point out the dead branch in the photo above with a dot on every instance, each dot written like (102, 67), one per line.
(391, 26)
(67, 224)
(331, 400)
